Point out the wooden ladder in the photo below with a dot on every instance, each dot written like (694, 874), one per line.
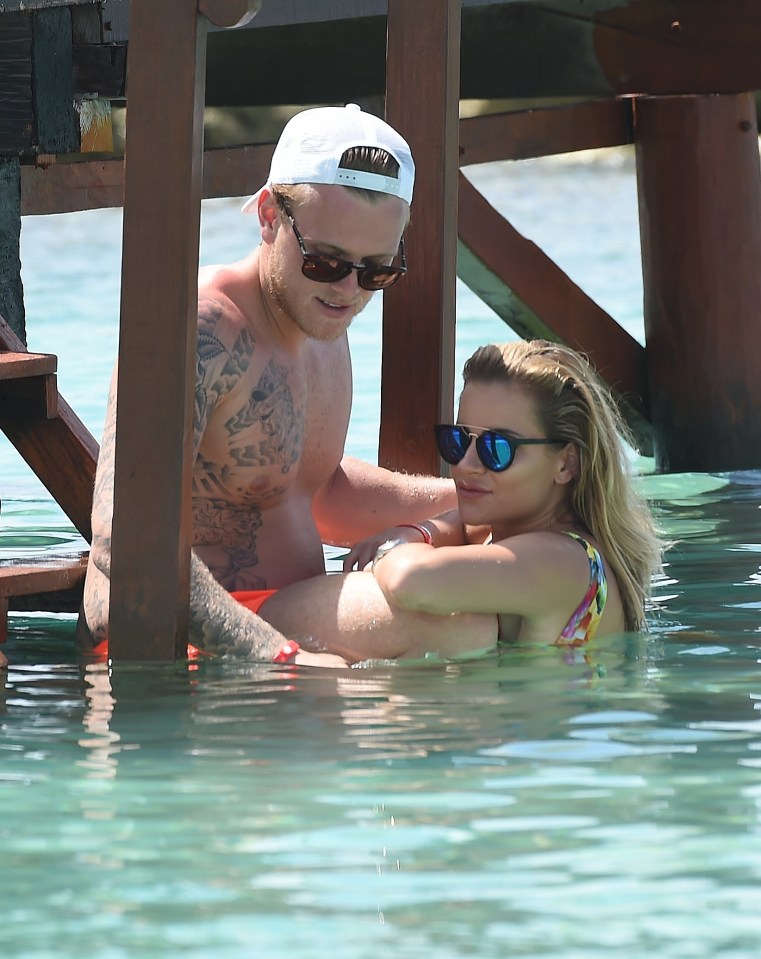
(63, 453)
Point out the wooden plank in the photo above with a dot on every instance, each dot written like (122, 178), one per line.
(28, 5)
(14, 365)
(55, 584)
(56, 121)
(536, 298)
(11, 289)
(23, 579)
(151, 574)
(512, 50)
(524, 134)
(52, 187)
(16, 116)
(419, 312)
(29, 397)
(61, 451)
(699, 187)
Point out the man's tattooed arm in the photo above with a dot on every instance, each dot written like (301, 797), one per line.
(220, 625)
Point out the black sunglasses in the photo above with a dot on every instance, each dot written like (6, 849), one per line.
(495, 450)
(330, 269)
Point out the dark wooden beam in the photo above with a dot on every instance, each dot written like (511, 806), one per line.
(16, 116)
(699, 187)
(60, 450)
(52, 187)
(419, 312)
(57, 124)
(536, 298)
(522, 134)
(513, 50)
(154, 435)
(11, 288)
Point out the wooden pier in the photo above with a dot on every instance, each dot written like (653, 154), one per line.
(675, 78)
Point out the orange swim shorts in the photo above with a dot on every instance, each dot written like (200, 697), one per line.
(252, 599)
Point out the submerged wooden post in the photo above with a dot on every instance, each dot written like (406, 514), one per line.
(150, 572)
(699, 185)
(422, 99)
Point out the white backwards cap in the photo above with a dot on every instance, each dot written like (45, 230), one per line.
(312, 143)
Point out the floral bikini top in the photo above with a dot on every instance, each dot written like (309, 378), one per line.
(582, 626)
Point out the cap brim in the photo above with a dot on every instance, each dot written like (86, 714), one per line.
(252, 203)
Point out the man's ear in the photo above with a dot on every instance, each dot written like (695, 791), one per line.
(269, 215)
(568, 464)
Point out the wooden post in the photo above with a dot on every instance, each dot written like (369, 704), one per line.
(422, 99)
(150, 573)
(700, 219)
(11, 287)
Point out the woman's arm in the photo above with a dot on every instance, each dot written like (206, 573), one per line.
(446, 529)
(526, 575)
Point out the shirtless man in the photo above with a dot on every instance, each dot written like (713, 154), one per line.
(271, 482)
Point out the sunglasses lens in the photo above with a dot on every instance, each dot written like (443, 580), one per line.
(324, 269)
(495, 451)
(452, 443)
(378, 279)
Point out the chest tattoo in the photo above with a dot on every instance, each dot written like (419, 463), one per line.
(271, 407)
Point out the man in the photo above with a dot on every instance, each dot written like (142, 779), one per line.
(271, 482)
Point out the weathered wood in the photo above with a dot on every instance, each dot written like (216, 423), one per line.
(29, 5)
(15, 365)
(61, 451)
(21, 579)
(419, 312)
(536, 298)
(150, 578)
(523, 134)
(28, 385)
(11, 288)
(320, 49)
(57, 125)
(700, 220)
(16, 116)
(99, 69)
(553, 49)
(51, 187)
(54, 584)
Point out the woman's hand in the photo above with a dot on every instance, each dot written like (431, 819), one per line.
(362, 554)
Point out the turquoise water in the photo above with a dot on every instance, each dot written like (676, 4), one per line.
(519, 805)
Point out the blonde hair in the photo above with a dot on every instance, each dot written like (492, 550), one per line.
(574, 405)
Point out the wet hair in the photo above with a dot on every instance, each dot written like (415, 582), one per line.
(574, 405)
(364, 158)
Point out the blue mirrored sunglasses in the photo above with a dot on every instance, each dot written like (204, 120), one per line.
(495, 450)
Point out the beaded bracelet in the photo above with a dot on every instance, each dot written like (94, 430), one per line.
(426, 534)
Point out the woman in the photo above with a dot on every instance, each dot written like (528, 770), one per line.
(550, 543)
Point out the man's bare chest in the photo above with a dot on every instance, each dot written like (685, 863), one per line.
(280, 427)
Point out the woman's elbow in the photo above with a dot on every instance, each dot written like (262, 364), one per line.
(408, 588)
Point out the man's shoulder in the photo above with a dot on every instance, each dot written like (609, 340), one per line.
(225, 300)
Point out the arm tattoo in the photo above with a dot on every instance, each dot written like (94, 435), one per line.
(220, 625)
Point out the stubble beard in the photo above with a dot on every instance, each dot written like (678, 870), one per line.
(278, 292)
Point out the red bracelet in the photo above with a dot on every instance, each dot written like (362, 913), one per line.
(421, 529)
(287, 651)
